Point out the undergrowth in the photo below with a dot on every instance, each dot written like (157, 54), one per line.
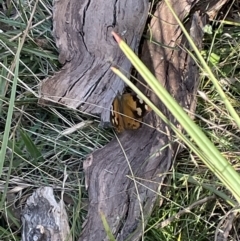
(192, 206)
(41, 153)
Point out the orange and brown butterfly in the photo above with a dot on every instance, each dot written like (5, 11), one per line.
(127, 112)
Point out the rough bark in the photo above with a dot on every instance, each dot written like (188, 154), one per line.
(43, 218)
(82, 30)
(123, 180)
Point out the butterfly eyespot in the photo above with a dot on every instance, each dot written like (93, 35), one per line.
(127, 112)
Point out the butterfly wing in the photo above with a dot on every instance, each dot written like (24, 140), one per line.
(116, 116)
(127, 112)
(137, 105)
(131, 115)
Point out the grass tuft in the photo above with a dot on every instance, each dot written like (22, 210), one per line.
(47, 145)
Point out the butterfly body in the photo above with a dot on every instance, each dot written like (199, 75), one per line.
(127, 112)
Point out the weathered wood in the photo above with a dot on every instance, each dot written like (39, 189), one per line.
(44, 219)
(82, 30)
(123, 181)
(113, 190)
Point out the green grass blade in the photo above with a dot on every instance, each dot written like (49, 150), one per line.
(31, 147)
(213, 158)
(10, 113)
(215, 82)
(107, 228)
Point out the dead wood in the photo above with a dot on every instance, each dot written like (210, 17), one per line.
(148, 154)
(43, 218)
(87, 50)
(123, 181)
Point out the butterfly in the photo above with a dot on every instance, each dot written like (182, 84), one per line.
(127, 112)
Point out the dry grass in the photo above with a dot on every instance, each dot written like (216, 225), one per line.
(40, 152)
